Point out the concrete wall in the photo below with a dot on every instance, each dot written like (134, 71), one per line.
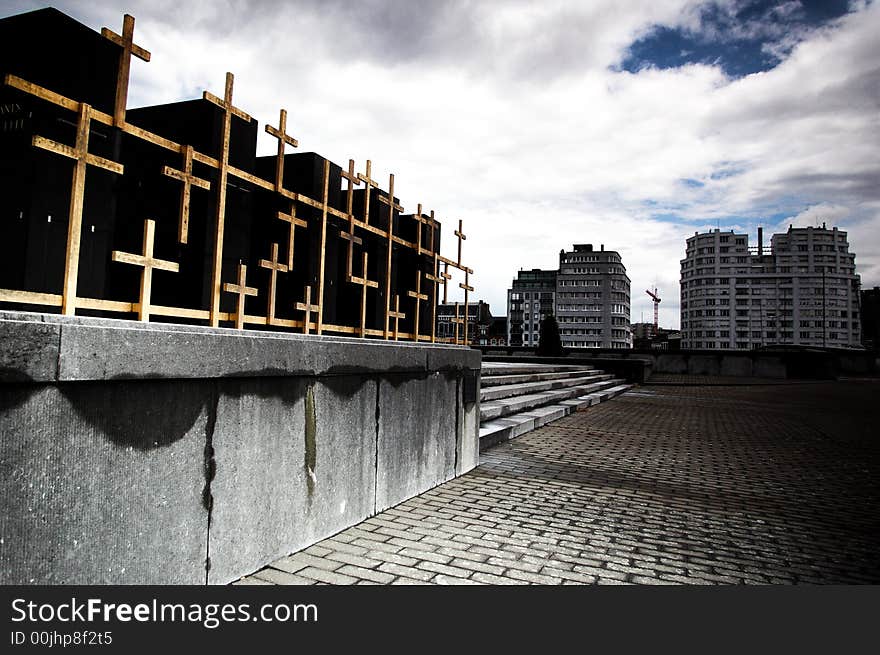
(149, 454)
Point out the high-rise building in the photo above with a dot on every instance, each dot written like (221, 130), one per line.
(592, 299)
(803, 290)
(529, 300)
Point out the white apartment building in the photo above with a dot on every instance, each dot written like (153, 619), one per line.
(802, 291)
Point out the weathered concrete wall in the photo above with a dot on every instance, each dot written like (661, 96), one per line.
(153, 453)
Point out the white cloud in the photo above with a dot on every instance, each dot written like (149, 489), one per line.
(511, 117)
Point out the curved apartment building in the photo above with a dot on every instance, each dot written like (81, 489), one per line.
(803, 290)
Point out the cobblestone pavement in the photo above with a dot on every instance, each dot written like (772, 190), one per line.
(663, 485)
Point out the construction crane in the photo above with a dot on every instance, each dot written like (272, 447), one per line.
(656, 300)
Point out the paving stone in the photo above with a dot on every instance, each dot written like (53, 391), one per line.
(378, 577)
(330, 577)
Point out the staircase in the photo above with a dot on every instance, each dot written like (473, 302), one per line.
(517, 398)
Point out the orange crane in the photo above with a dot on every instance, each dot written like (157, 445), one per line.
(656, 300)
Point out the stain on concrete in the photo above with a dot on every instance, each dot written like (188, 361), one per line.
(311, 440)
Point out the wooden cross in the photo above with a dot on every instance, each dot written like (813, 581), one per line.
(274, 267)
(436, 279)
(396, 315)
(126, 41)
(80, 154)
(294, 223)
(419, 296)
(222, 173)
(322, 253)
(466, 288)
(419, 220)
(148, 262)
(365, 284)
(461, 237)
(242, 290)
(458, 321)
(370, 183)
(349, 236)
(308, 308)
(392, 205)
(445, 280)
(280, 133)
(186, 176)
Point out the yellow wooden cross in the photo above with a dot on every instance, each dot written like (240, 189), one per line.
(186, 176)
(466, 288)
(126, 41)
(389, 234)
(83, 158)
(396, 315)
(349, 236)
(365, 284)
(370, 183)
(294, 223)
(242, 290)
(436, 279)
(280, 133)
(222, 174)
(308, 308)
(461, 237)
(148, 263)
(458, 321)
(274, 267)
(419, 296)
(445, 280)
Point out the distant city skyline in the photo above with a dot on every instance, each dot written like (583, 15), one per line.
(545, 124)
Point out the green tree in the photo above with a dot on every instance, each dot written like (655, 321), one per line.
(549, 344)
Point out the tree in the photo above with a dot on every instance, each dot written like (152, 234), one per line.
(549, 344)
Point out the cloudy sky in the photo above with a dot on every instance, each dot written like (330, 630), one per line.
(629, 123)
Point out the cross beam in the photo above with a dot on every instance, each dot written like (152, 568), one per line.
(148, 263)
(242, 290)
(294, 223)
(461, 237)
(308, 308)
(274, 268)
(280, 133)
(189, 180)
(467, 287)
(458, 321)
(436, 279)
(129, 48)
(82, 158)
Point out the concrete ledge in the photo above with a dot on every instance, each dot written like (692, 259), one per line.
(167, 454)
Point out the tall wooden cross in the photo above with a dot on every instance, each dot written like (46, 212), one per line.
(274, 268)
(284, 139)
(222, 173)
(242, 290)
(308, 308)
(419, 296)
(148, 263)
(365, 284)
(294, 223)
(186, 176)
(467, 287)
(458, 321)
(349, 236)
(129, 48)
(370, 184)
(445, 277)
(396, 315)
(389, 233)
(322, 253)
(436, 279)
(82, 158)
(461, 237)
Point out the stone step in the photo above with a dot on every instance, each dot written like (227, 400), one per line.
(514, 425)
(521, 389)
(505, 368)
(497, 408)
(517, 378)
